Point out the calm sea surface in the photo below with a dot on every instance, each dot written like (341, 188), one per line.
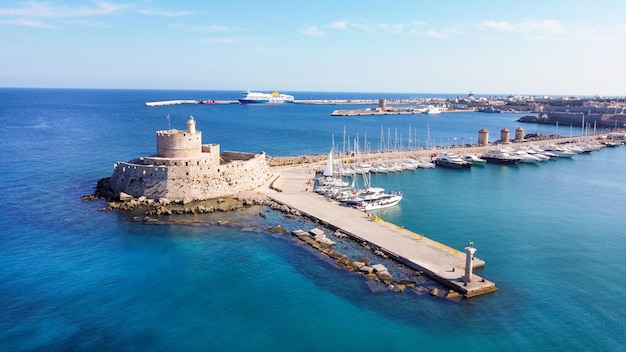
(76, 278)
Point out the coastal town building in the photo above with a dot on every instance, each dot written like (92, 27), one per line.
(184, 169)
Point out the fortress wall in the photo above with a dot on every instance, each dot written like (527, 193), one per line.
(231, 156)
(139, 180)
(205, 160)
(197, 184)
(190, 182)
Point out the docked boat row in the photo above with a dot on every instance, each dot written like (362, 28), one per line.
(507, 155)
(332, 184)
(349, 194)
(535, 154)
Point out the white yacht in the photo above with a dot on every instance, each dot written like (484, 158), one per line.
(474, 159)
(452, 161)
(384, 201)
(373, 198)
(501, 157)
(559, 152)
(524, 157)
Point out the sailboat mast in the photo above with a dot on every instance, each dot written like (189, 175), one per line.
(344, 139)
(382, 140)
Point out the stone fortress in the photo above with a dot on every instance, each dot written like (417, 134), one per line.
(186, 170)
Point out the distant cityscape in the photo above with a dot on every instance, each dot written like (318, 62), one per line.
(585, 112)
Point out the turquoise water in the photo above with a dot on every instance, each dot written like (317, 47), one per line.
(76, 278)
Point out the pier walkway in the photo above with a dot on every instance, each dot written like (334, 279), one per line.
(440, 262)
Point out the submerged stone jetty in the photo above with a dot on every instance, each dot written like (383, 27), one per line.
(184, 169)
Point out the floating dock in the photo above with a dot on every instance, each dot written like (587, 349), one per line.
(438, 261)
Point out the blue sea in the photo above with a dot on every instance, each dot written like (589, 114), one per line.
(73, 277)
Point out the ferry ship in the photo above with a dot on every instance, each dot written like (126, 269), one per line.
(249, 97)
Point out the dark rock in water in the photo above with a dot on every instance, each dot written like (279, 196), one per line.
(365, 260)
(407, 283)
(277, 229)
(454, 296)
(103, 189)
(367, 269)
(421, 290)
(399, 287)
(385, 276)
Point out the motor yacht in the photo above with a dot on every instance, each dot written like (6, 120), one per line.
(474, 159)
(452, 161)
(500, 157)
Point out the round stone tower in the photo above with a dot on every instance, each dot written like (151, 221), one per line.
(180, 144)
(483, 137)
(519, 134)
(505, 134)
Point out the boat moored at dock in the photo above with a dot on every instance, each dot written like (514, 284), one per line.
(384, 200)
(474, 159)
(452, 161)
(500, 157)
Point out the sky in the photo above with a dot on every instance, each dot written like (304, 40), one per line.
(573, 47)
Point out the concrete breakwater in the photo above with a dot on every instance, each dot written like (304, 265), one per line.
(438, 261)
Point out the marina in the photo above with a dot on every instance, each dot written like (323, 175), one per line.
(292, 186)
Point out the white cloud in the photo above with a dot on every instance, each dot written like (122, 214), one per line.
(214, 28)
(312, 31)
(341, 25)
(45, 10)
(554, 30)
(164, 13)
(225, 40)
(440, 33)
(392, 28)
(31, 14)
(498, 25)
(534, 29)
(28, 23)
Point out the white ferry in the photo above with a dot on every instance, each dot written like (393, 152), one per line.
(249, 97)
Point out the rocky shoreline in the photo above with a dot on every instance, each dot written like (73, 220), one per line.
(152, 211)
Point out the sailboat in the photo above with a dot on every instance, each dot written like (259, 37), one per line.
(330, 181)
(328, 170)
